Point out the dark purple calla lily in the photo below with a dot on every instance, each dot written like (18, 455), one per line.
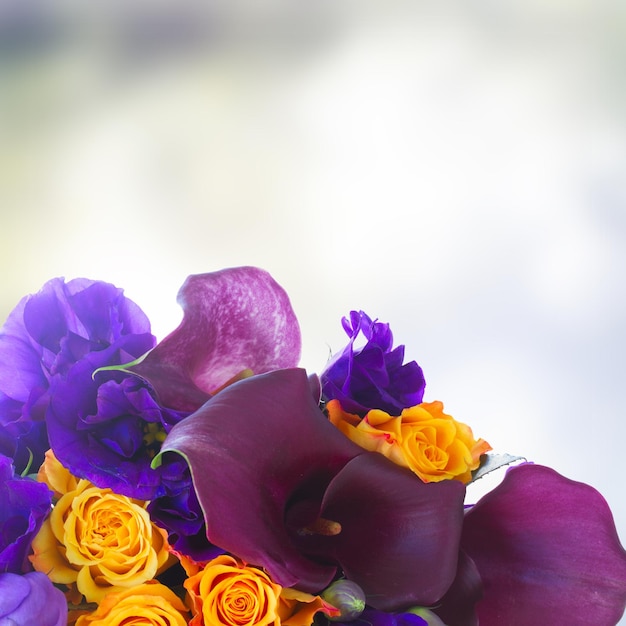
(24, 505)
(280, 487)
(547, 551)
(374, 376)
(457, 607)
(399, 538)
(234, 320)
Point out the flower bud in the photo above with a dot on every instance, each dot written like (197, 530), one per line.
(346, 596)
(432, 619)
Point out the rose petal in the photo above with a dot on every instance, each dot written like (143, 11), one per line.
(234, 320)
(547, 551)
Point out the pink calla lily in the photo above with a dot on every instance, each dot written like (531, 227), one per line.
(236, 320)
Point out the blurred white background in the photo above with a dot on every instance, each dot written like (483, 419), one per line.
(456, 169)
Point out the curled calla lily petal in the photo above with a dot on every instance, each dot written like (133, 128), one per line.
(457, 607)
(547, 551)
(234, 320)
(399, 536)
(322, 502)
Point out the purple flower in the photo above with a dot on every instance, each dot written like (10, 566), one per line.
(31, 599)
(372, 377)
(538, 549)
(547, 551)
(372, 617)
(320, 506)
(236, 322)
(107, 427)
(43, 337)
(25, 505)
(180, 514)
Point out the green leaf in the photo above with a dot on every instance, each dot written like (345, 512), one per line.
(124, 367)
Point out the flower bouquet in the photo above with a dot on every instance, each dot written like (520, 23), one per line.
(207, 480)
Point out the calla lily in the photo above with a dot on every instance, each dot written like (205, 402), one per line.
(235, 320)
(322, 503)
(547, 552)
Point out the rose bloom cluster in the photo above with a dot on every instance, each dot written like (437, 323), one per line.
(207, 480)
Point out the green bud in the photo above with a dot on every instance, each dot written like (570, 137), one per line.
(432, 619)
(346, 596)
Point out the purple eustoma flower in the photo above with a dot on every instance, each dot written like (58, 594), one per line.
(372, 617)
(180, 514)
(107, 426)
(374, 376)
(31, 599)
(43, 337)
(24, 504)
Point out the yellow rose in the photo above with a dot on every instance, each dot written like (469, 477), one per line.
(149, 603)
(100, 542)
(228, 593)
(57, 477)
(423, 438)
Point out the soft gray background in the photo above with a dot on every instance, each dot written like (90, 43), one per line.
(457, 169)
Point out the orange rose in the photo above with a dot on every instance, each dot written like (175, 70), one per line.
(423, 438)
(228, 593)
(100, 542)
(296, 608)
(149, 603)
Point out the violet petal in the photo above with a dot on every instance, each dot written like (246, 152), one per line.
(372, 377)
(234, 320)
(31, 599)
(400, 537)
(25, 505)
(547, 551)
